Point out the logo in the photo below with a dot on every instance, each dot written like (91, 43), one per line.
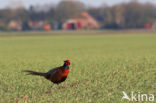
(137, 97)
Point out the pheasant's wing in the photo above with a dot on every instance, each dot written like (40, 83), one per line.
(52, 71)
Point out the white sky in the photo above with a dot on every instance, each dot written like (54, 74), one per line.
(27, 3)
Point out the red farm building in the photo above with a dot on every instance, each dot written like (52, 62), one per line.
(84, 22)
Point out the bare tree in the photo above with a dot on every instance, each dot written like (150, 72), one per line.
(68, 9)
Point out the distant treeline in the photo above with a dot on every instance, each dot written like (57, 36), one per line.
(126, 15)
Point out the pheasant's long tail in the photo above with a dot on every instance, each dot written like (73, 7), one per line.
(35, 73)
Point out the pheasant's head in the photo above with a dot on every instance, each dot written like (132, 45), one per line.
(67, 62)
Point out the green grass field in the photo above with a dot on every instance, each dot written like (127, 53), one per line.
(102, 66)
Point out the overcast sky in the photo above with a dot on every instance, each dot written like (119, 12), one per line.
(27, 3)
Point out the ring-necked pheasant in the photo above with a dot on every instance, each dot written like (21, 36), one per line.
(55, 75)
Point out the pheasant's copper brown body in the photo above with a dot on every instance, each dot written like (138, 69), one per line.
(56, 75)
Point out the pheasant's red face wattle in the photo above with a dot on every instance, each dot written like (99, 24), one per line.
(67, 62)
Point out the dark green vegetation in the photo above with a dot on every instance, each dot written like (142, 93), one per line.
(102, 66)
